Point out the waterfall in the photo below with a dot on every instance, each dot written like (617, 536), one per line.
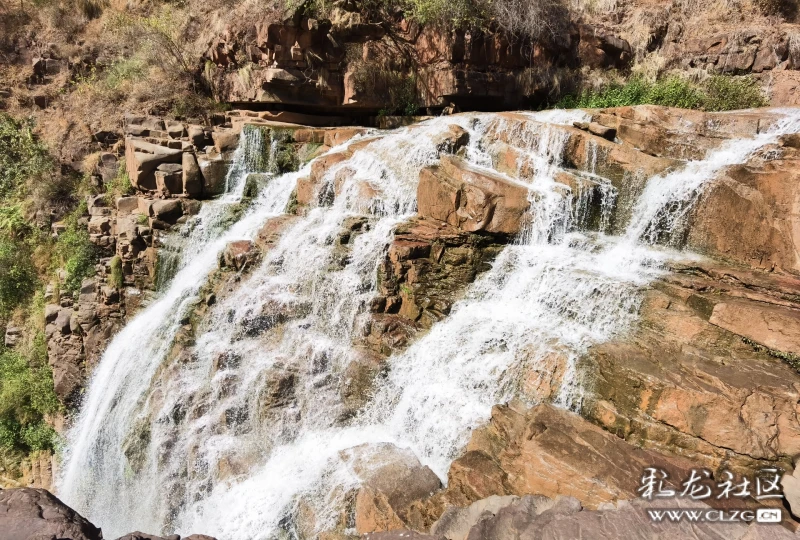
(218, 447)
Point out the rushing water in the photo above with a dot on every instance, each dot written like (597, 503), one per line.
(229, 439)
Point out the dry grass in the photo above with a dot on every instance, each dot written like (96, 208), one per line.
(597, 7)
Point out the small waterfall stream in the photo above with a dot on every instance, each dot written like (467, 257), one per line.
(220, 451)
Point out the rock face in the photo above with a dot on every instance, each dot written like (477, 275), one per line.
(488, 70)
(471, 200)
(392, 479)
(428, 265)
(27, 513)
(533, 517)
(690, 383)
(548, 451)
(755, 211)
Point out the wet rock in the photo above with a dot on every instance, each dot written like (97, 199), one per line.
(27, 513)
(747, 214)
(308, 189)
(143, 536)
(679, 133)
(548, 451)
(687, 387)
(775, 327)
(225, 140)
(471, 199)
(272, 231)
(534, 517)
(392, 479)
(428, 265)
(239, 254)
(359, 381)
(335, 137)
(277, 391)
(452, 140)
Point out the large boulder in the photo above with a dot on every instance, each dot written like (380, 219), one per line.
(681, 133)
(214, 169)
(472, 199)
(192, 177)
(166, 210)
(392, 478)
(536, 517)
(28, 513)
(749, 213)
(428, 265)
(552, 452)
(775, 327)
(143, 158)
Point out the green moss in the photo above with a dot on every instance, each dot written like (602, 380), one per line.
(291, 207)
(22, 156)
(790, 358)
(286, 159)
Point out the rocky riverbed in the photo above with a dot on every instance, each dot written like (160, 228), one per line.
(582, 297)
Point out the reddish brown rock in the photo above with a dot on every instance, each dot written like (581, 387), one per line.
(749, 213)
(335, 137)
(392, 479)
(471, 199)
(552, 452)
(685, 386)
(143, 158)
(773, 326)
(239, 254)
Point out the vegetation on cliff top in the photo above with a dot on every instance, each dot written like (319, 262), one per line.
(717, 93)
(539, 20)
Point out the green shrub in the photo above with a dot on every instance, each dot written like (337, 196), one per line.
(17, 276)
(119, 186)
(22, 156)
(732, 93)
(75, 252)
(26, 396)
(115, 279)
(718, 93)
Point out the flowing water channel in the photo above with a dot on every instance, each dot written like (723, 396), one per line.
(206, 441)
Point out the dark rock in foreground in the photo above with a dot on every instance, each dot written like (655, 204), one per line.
(28, 513)
(37, 514)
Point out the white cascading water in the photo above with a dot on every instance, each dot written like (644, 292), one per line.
(221, 448)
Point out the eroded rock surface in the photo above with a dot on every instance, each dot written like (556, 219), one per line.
(27, 513)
